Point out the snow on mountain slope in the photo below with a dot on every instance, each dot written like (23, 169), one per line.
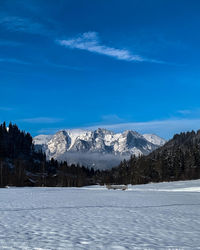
(100, 148)
(156, 140)
(42, 139)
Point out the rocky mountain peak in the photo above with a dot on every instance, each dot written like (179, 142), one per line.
(98, 145)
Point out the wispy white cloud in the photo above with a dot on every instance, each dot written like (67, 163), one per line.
(42, 120)
(163, 128)
(41, 64)
(189, 113)
(63, 66)
(111, 118)
(21, 24)
(13, 60)
(185, 112)
(90, 41)
(49, 130)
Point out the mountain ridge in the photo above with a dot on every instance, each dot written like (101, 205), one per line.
(177, 159)
(100, 148)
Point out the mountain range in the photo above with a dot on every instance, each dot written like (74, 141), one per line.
(178, 159)
(101, 148)
(22, 163)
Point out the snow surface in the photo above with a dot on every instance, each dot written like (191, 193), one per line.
(152, 216)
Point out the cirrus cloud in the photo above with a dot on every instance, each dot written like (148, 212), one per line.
(23, 24)
(42, 120)
(164, 128)
(90, 41)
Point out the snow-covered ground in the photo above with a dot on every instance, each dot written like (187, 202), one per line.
(153, 216)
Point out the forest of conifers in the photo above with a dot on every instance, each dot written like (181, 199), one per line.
(21, 165)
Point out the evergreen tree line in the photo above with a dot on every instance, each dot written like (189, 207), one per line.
(178, 159)
(22, 165)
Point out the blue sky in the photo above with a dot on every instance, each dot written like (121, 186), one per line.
(114, 64)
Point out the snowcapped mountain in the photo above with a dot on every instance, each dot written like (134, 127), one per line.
(156, 140)
(100, 148)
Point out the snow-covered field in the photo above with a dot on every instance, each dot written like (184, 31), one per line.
(153, 216)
